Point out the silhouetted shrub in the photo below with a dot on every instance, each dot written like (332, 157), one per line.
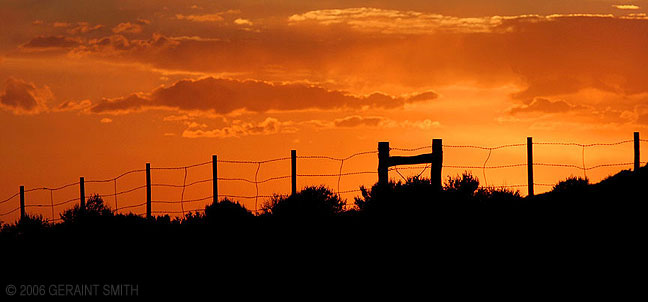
(571, 185)
(193, 218)
(465, 184)
(94, 209)
(499, 197)
(226, 210)
(414, 194)
(309, 202)
(30, 224)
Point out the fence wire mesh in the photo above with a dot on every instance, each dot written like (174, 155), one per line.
(418, 171)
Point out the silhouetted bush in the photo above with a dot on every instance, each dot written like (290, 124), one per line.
(465, 184)
(500, 198)
(309, 202)
(396, 197)
(94, 209)
(571, 185)
(226, 210)
(30, 224)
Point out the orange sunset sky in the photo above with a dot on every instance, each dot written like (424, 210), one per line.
(97, 88)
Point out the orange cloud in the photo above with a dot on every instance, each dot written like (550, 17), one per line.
(73, 106)
(224, 96)
(22, 97)
(546, 106)
(356, 120)
(237, 129)
(364, 50)
(373, 122)
(625, 6)
(396, 21)
(127, 27)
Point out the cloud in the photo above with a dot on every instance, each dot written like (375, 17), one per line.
(127, 27)
(356, 120)
(223, 96)
(396, 21)
(77, 28)
(424, 96)
(546, 106)
(237, 129)
(343, 47)
(201, 18)
(625, 6)
(73, 106)
(106, 120)
(241, 21)
(22, 97)
(119, 46)
(373, 122)
(83, 28)
(45, 42)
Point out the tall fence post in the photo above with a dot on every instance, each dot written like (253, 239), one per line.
(293, 171)
(215, 178)
(383, 158)
(530, 164)
(637, 162)
(437, 164)
(82, 200)
(22, 202)
(148, 190)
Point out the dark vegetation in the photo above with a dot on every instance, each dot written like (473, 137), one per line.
(393, 224)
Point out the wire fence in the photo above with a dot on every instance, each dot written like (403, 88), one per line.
(122, 205)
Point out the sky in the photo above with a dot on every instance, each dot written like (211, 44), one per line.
(95, 89)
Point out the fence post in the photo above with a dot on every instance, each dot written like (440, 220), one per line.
(82, 200)
(530, 164)
(22, 202)
(637, 162)
(383, 158)
(437, 164)
(293, 169)
(215, 178)
(148, 190)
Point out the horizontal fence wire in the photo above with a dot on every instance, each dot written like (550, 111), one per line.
(182, 167)
(185, 200)
(10, 198)
(583, 145)
(253, 162)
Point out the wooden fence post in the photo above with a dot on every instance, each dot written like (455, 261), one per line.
(293, 171)
(22, 202)
(437, 164)
(383, 158)
(82, 200)
(530, 165)
(215, 178)
(148, 190)
(637, 162)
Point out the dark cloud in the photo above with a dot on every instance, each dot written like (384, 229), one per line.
(21, 97)
(51, 42)
(225, 96)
